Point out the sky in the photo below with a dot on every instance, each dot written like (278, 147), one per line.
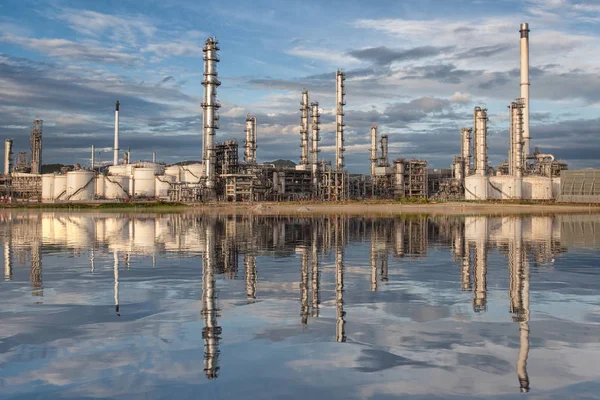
(415, 68)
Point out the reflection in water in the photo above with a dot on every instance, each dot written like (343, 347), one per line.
(211, 332)
(116, 282)
(340, 331)
(525, 241)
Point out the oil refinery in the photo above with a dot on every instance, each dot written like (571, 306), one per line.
(221, 176)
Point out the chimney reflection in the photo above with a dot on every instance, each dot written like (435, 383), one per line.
(304, 285)
(340, 331)
(116, 282)
(7, 261)
(315, 271)
(480, 273)
(519, 299)
(250, 276)
(35, 274)
(211, 332)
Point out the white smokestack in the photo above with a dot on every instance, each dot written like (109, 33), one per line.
(8, 143)
(304, 129)
(373, 149)
(339, 135)
(116, 146)
(525, 85)
(315, 141)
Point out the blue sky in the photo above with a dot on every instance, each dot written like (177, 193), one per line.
(416, 68)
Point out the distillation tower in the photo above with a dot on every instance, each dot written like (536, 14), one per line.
(250, 143)
(315, 115)
(210, 107)
(36, 147)
(304, 109)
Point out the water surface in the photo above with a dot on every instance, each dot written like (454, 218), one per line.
(188, 306)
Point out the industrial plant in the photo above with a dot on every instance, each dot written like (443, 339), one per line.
(222, 176)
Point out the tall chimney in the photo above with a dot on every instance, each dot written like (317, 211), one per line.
(210, 106)
(8, 144)
(339, 120)
(116, 146)
(304, 129)
(315, 141)
(373, 149)
(525, 86)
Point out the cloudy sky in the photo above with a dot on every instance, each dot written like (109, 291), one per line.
(416, 68)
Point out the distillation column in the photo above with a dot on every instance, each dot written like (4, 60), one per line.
(8, 145)
(466, 149)
(211, 333)
(480, 116)
(116, 144)
(339, 120)
(304, 307)
(36, 147)
(304, 130)
(516, 160)
(210, 107)
(315, 142)
(315, 271)
(373, 150)
(525, 86)
(384, 151)
(250, 143)
(480, 273)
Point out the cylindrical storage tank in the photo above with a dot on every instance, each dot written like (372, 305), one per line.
(100, 186)
(541, 188)
(119, 170)
(193, 173)
(60, 187)
(116, 187)
(162, 185)
(476, 187)
(81, 185)
(47, 187)
(174, 171)
(143, 182)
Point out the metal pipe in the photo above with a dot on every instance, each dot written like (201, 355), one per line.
(373, 149)
(8, 144)
(339, 120)
(315, 141)
(525, 85)
(304, 128)
(116, 145)
(210, 107)
(480, 115)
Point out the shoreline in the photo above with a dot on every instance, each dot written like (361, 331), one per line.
(315, 208)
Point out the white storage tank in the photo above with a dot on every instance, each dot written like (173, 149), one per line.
(174, 171)
(476, 187)
(193, 173)
(100, 186)
(541, 187)
(81, 185)
(60, 187)
(116, 187)
(47, 187)
(119, 170)
(144, 181)
(162, 185)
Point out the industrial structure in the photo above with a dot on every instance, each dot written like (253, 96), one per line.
(222, 176)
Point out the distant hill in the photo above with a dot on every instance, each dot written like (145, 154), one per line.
(283, 163)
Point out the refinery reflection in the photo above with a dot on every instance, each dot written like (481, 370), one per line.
(321, 248)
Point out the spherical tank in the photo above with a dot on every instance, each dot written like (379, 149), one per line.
(100, 186)
(116, 187)
(47, 187)
(80, 185)
(175, 171)
(60, 187)
(193, 173)
(144, 182)
(162, 186)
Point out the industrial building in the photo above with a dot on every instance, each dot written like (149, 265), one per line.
(222, 176)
